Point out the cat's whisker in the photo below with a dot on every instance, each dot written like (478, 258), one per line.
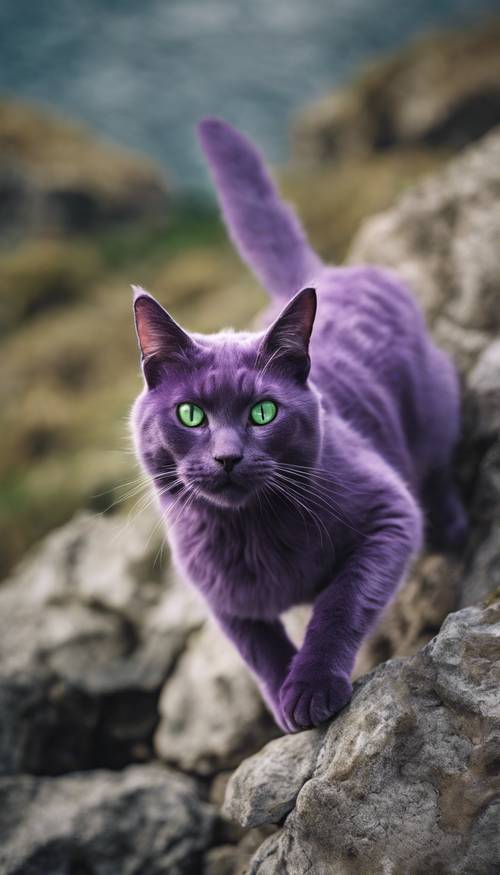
(137, 485)
(144, 484)
(160, 522)
(121, 499)
(269, 488)
(142, 504)
(308, 491)
(304, 497)
(289, 491)
(324, 474)
(189, 497)
(303, 480)
(318, 522)
(281, 490)
(141, 478)
(311, 481)
(188, 489)
(329, 472)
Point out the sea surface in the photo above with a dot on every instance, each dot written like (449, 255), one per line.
(142, 72)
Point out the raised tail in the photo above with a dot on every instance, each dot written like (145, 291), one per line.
(265, 231)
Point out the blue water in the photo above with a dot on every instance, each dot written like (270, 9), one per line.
(141, 72)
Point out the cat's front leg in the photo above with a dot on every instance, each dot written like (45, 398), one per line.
(266, 649)
(318, 683)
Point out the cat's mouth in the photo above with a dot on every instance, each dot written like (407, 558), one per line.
(227, 485)
(226, 491)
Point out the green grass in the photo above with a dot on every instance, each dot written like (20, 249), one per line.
(71, 368)
(192, 222)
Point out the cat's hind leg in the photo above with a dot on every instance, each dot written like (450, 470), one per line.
(446, 518)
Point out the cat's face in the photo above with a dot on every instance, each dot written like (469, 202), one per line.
(222, 416)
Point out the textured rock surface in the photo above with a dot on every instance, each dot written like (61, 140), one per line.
(88, 644)
(234, 859)
(445, 90)
(211, 711)
(144, 819)
(88, 634)
(264, 788)
(481, 462)
(406, 779)
(91, 631)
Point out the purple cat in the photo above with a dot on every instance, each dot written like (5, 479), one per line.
(293, 464)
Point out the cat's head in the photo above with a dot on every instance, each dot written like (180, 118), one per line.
(225, 415)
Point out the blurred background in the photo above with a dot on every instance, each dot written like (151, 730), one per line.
(106, 659)
(101, 185)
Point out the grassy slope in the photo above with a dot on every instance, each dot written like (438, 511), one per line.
(70, 367)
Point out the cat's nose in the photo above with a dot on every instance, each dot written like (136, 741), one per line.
(228, 462)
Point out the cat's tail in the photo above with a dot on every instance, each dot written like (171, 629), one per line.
(265, 230)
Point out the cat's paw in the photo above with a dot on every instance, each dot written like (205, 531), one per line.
(309, 701)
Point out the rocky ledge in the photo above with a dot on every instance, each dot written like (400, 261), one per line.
(406, 779)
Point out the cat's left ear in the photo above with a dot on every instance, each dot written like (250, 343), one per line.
(286, 342)
(161, 339)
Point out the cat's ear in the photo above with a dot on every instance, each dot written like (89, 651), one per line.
(161, 339)
(286, 342)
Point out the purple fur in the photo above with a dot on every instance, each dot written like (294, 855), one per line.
(323, 504)
(266, 232)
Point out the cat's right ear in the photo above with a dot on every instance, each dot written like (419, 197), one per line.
(161, 339)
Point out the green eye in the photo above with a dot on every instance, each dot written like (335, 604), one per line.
(190, 414)
(263, 412)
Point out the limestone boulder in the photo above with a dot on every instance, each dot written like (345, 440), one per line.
(143, 819)
(89, 630)
(211, 712)
(406, 779)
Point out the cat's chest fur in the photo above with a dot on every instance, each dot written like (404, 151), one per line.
(249, 566)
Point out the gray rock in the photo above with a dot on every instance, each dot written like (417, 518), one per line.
(406, 779)
(89, 631)
(212, 714)
(442, 238)
(265, 787)
(222, 860)
(481, 458)
(234, 859)
(145, 819)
